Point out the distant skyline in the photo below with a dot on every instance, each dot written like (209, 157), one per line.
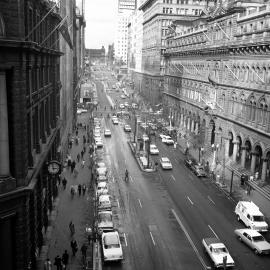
(101, 18)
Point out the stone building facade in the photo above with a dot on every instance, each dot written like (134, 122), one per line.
(157, 16)
(217, 84)
(30, 124)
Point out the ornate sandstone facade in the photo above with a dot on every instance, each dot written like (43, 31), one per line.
(217, 83)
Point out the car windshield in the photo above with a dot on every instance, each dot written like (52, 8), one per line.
(111, 241)
(220, 250)
(258, 238)
(104, 217)
(258, 218)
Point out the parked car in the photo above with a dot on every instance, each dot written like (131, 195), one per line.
(102, 188)
(111, 246)
(105, 221)
(127, 128)
(189, 162)
(98, 142)
(254, 240)
(115, 120)
(145, 137)
(165, 163)
(198, 170)
(122, 106)
(104, 202)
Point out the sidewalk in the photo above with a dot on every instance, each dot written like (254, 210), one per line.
(238, 192)
(78, 209)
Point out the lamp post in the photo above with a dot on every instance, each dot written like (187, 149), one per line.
(201, 149)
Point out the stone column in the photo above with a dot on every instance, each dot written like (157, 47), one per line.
(227, 144)
(188, 123)
(264, 168)
(235, 148)
(4, 142)
(253, 162)
(181, 120)
(196, 128)
(192, 126)
(243, 156)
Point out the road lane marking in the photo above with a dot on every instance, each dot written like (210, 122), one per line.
(140, 203)
(213, 231)
(125, 239)
(154, 243)
(210, 200)
(190, 240)
(173, 178)
(118, 203)
(131, 179)
(190, 200)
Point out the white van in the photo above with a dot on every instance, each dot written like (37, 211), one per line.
(104, 202)
(250, 214)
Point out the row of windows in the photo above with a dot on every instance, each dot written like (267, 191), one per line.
(186, 2)
(41, 33)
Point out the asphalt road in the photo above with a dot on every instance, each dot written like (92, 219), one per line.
(162, 217)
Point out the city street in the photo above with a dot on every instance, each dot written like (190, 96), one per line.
(163, 216)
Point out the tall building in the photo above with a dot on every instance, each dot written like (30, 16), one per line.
(96, 55)
(124, 5)
(125, 8)
(217, 85)
(32, 121)
(157, 16)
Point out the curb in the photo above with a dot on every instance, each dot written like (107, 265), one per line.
(138, 161)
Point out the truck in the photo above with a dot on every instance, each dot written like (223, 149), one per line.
(218, 253)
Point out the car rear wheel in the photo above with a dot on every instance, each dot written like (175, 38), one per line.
(256, 251)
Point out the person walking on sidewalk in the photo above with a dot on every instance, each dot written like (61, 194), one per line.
(73, 165)
(83, 250)
(48, 264)
(74, 247)
(64, 182)
(79, 189)
(58, 262)
(72, 228)
(65, 258)
(84, 189)
(82, 153)
(78, 158)
(83, 162)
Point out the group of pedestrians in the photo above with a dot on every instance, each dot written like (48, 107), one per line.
(81, 189)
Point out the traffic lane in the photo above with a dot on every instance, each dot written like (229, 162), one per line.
(209, 208)
(150, 232)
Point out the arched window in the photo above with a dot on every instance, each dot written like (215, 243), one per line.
(243, 108)
(263, 113)
(252, 109)
(223, 101)
(234, 100)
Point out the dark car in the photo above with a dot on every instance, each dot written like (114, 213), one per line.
(198, 170)
(189, 162)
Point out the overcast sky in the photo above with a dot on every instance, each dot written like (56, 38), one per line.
(100, 16)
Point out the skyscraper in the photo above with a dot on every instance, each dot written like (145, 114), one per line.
(125, 8)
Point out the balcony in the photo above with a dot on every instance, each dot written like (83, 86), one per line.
(258, 11)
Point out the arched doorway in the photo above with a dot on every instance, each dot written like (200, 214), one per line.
(267, 177)
(212, 127)
(258, 160)
(248, 155)
(230, 153)
(239, 149)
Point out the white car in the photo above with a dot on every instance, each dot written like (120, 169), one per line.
(101, 171)
(167, 140)
(115, 120)
(122, 106)
(98, 142)
(111, 246)
(104, 202)
(104, 221)
(102, 188)
(145, 137)
(107, 133)
(165, 163)
(123, 96)
(127, 128)
(153, 149)
(254, 240)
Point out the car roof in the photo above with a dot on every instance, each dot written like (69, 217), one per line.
(252, 208)
(165, 159)
(104, 197)
(111, 237)
(251, 232)
(102, 184)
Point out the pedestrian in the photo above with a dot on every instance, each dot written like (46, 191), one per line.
(65, 258)
(77, 132)
(73, 165)
(58, 262)
(83, 162)
(84, 139)
(71, 228)
(82, 153)
(79, 189)
(84, 149)
(72, 191)
(74, 247)
(58, 180)
(69, 160)
(78, 157)
(83, 250)
(64, 182)
(84, 189)
(175, 145)
(48, 264)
